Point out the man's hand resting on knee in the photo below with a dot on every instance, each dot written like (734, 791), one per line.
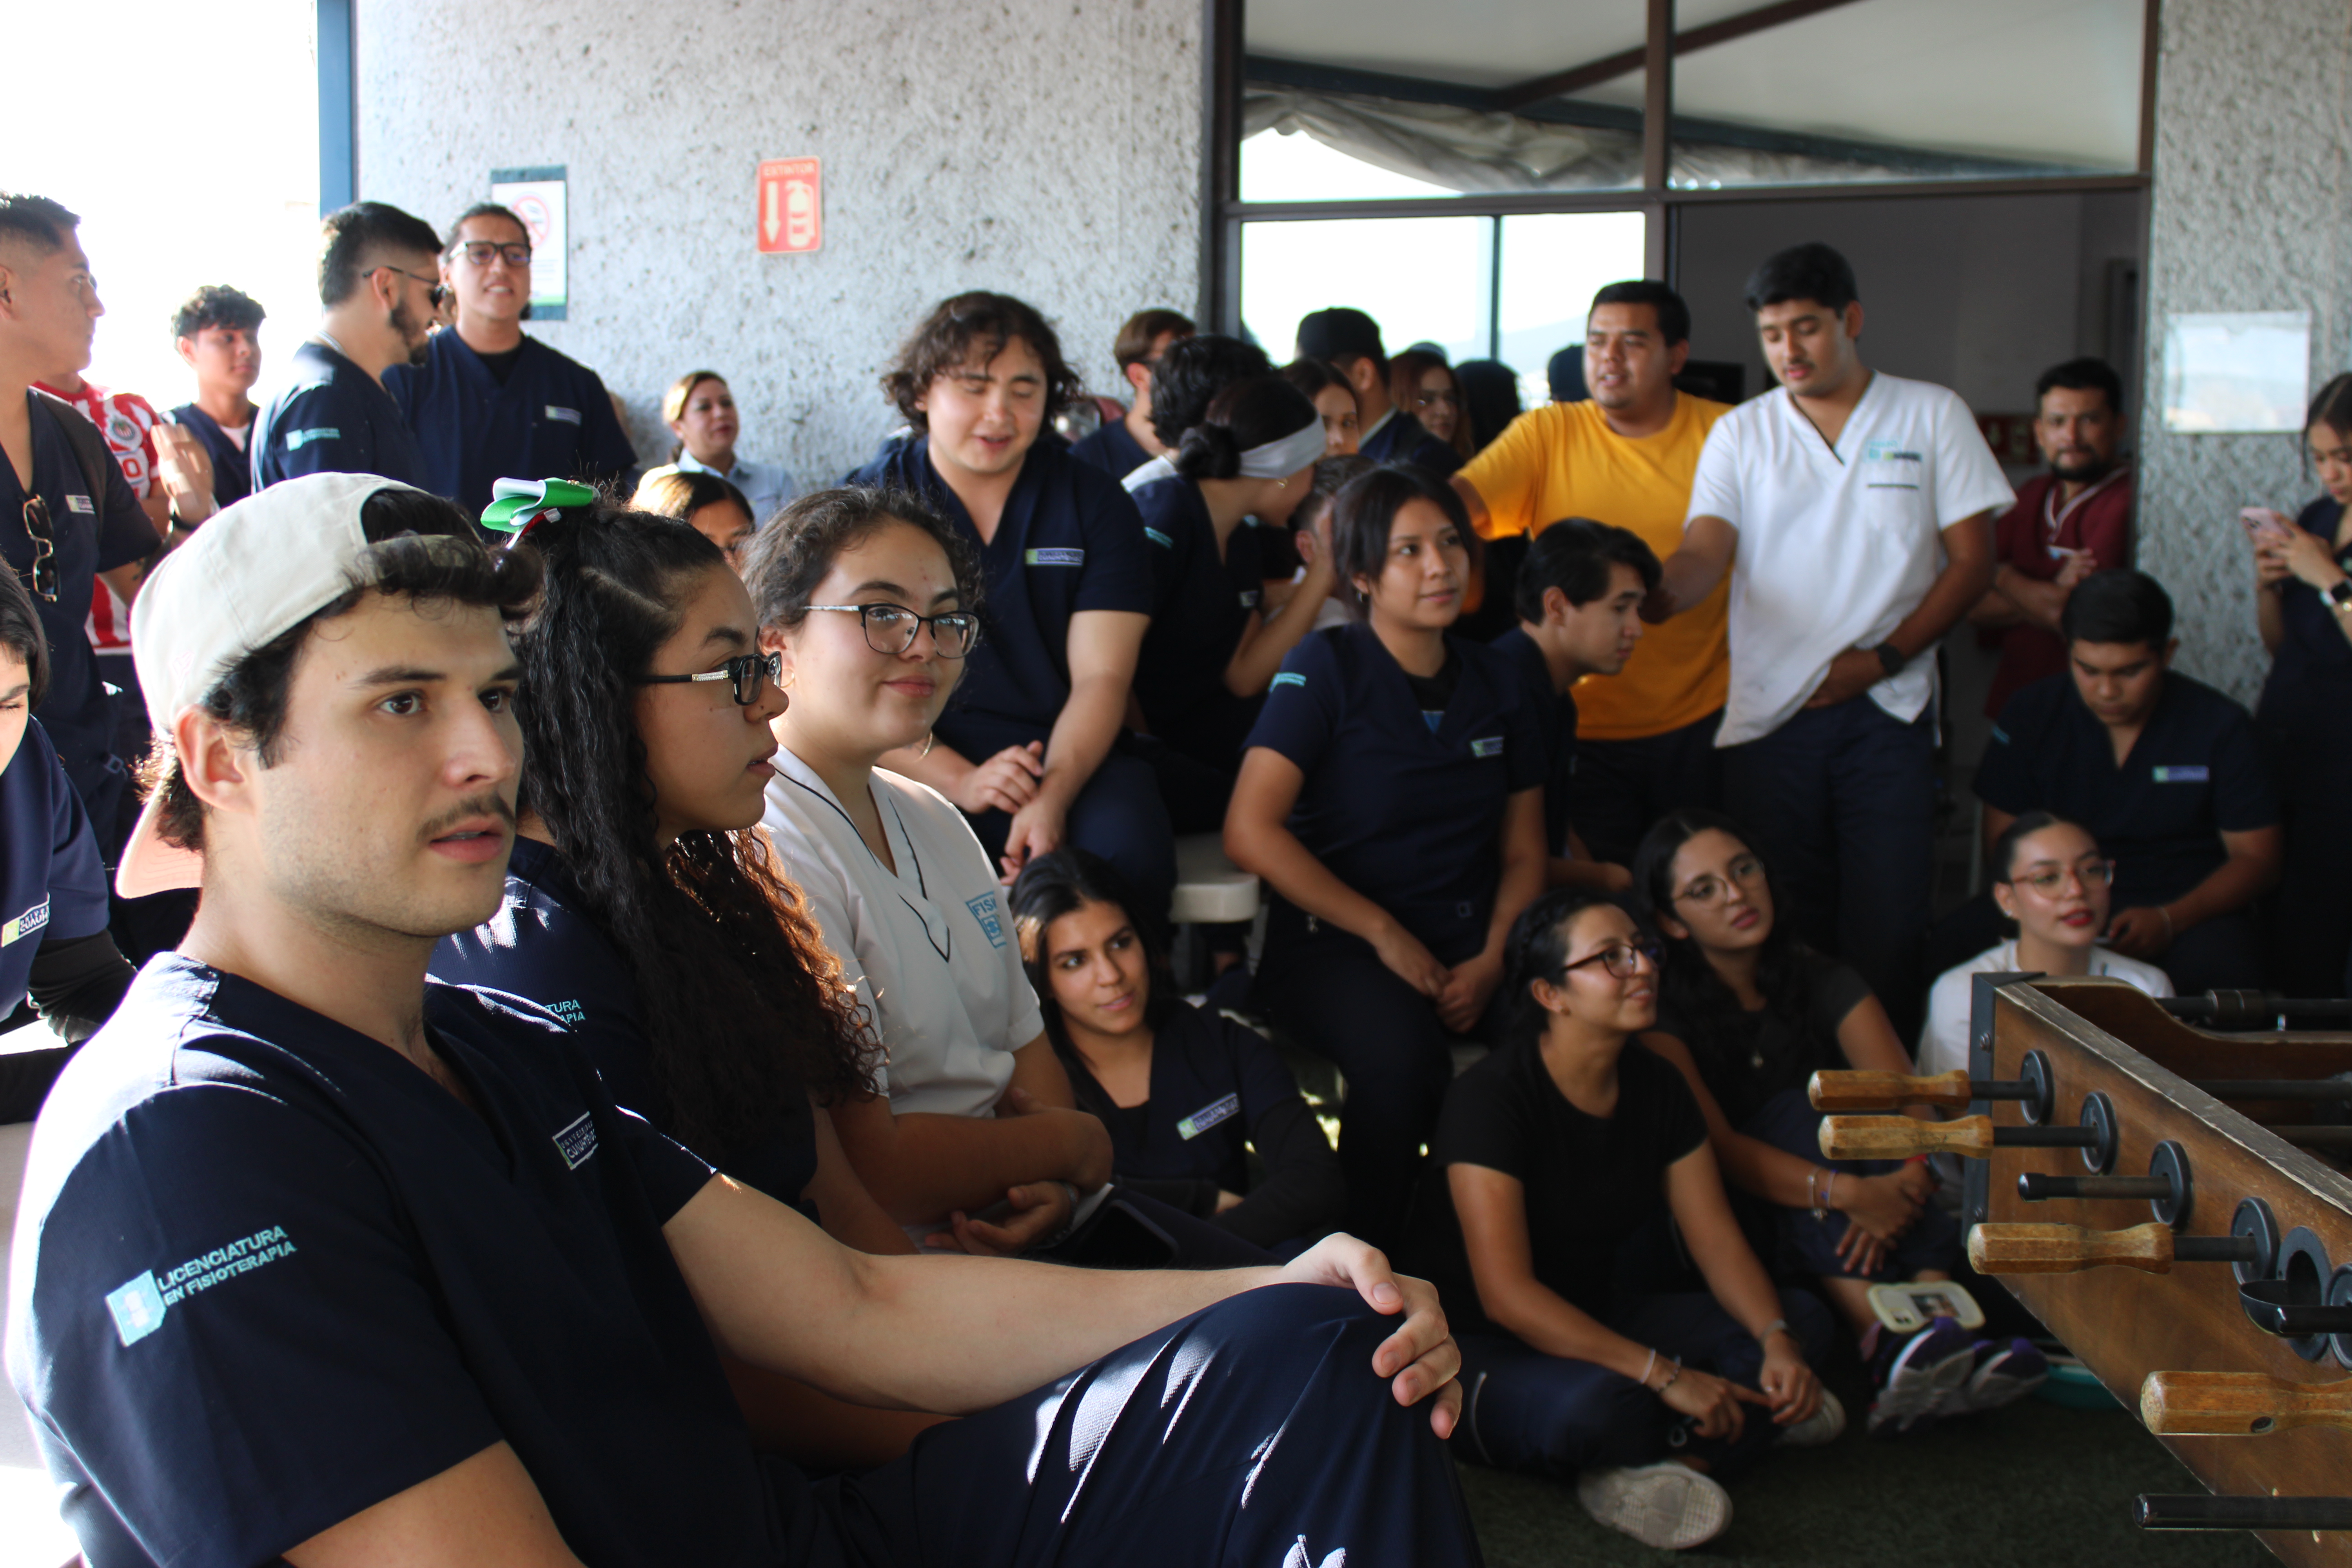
(1419, 1359)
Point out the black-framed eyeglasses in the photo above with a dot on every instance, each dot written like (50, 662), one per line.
(477, 253)
(747, 671)
(891, 629)
(43, 530)
(1621, 958)
(435, 290)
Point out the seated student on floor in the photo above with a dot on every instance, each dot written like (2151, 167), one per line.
(1334, 400)
(867, 599)
(54, 886)
(711, 506)
(1212, 646)
(644, 909)
(404, 1284)
(2165, 772)
(1578, 598)
(1554, 1154)
(1032, 754)
(1391, 798)
(1748, 1014)
(1186, 1093)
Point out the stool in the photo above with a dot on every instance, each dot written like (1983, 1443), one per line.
(1210, 888)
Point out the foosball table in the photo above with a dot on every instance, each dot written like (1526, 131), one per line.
(2163, 1184)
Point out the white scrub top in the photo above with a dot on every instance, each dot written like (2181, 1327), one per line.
(930, 947)
(1944, 1042)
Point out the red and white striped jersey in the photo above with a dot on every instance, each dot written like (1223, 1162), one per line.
(128, 422)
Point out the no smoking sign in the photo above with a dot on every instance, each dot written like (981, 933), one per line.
(791, 216)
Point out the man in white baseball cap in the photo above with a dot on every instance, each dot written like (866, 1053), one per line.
(317, 1262)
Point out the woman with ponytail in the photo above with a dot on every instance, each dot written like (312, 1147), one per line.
(1553, 1154)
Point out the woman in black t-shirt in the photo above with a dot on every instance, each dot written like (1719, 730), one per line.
(1548, 1156)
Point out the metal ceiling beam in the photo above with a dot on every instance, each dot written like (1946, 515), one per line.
(1576, 79)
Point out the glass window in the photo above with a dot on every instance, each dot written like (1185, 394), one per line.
(1420, 278)
(1909, 89)
(1553, 263)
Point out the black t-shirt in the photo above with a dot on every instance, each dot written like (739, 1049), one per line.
(1554, 713)
(1749, 1058)
(501, 366)
(1434, 692)
(270, 1274)
(2310, 686)
(1591, 1182)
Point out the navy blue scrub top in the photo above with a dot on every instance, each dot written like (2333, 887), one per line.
(2195, 774)
(1405, 440)
(93, 534)
(1554, 714)
(279, 1275)
(1212, 1082)
(551, 419)
(334, 419)
(2310, 683)
(538, 946)
(1409, 816)
(1200, 602)
(52, 884)
(1113, 449)
(1069, 539)
(232, 468)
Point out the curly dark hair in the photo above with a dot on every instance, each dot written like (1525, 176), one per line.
(946, 339)
(744, 1005)
(217, 305)
(1688, 986)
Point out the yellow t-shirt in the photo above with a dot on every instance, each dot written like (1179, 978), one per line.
(1562, 460)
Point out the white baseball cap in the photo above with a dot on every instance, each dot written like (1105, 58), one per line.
(254, 572)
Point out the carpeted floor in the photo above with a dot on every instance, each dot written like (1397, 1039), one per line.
(2030, 1485)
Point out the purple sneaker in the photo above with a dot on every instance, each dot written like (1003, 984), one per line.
(2004, 1374)
(1924, 1379)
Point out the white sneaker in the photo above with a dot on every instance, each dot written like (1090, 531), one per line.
(1823, 1426)
(1666, 1504)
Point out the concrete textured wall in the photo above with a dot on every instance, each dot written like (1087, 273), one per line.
(2251, 213)
(1047, 148)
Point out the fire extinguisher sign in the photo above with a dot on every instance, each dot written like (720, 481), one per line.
(792, 212)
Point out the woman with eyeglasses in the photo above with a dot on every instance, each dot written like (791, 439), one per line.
(1748, 1014)
(2049, 880)
(1425, 387)
(871, 603)
(1552, 1155)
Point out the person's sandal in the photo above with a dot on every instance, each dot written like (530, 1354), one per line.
(1667, 1505)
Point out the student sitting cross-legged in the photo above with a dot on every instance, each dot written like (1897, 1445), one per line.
(320, 1261)
(1552, 1155)
(1185, 1093)
(870, 603)
(1391, 797)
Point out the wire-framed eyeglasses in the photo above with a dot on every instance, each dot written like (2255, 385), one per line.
(892, 628)
(43, 533)
(2047, 879)
(1622, 959)
(746, 672)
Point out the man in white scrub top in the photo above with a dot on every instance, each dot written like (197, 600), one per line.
(1853, 510)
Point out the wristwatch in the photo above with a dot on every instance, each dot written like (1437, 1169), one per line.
(1891, 658)
(2339, 595)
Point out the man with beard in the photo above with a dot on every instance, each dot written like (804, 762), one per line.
(2072, 521)
(379, 280)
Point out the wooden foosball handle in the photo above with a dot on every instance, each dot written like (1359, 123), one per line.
(2239, 1403)
(1900, 1137)
(2010, 1249)
(1886, 1091)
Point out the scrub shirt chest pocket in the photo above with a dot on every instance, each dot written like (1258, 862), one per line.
(2174, 800)
(1897, 491)
(555, 432)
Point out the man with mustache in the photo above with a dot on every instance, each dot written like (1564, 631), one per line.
(2070, 522)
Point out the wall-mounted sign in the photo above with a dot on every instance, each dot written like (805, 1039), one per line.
(790, 215)
(536, 197)
(2242, 370)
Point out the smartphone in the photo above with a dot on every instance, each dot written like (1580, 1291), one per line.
(2261, 522)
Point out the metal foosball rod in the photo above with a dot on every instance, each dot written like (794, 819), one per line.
(2152, 1249)
(2156, 1511)
(2239, 1403)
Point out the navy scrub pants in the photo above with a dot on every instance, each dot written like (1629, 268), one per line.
(1117, 816)
(1547, 1415)
(1255, 1434)
(1788, 1121)
(1841, 801)
(1622, 787)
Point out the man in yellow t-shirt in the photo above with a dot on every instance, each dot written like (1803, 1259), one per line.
(1645, 742)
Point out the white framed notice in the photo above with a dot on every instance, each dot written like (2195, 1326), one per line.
(2236, 371)
(537, 196)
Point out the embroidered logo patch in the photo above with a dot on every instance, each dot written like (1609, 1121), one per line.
(1287, 677)
(991, 916)
(1154, 535)
(577, 1143)
(2183, 776)
(569, 1012)
(1208, 1116)
(1887, 452)
(568, 415)
(1055, 557)
(298, 439)
(80, 503)
(138, 1304)
(1492, 746)
(26, 924)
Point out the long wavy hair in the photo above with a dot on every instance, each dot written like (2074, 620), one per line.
(1688, 987)
(1057, 884)
(743, 1004)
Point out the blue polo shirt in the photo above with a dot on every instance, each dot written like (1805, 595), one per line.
(232, 468)
(1212, 1082)
(52, 885)
(541, 946)
(1112, 449)
(268, 1273)
(1407, 814)
(2195, 774)
(550, 419)
(1069, 539)
(333, 419)
(1554, 715)
(1200, 602)
(93, 534)
(1405, 440)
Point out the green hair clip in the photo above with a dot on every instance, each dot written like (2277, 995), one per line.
(519, 503)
